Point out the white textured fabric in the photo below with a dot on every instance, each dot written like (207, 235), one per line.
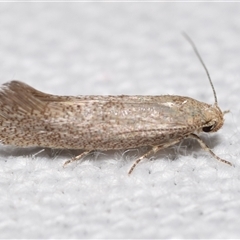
(123, 48)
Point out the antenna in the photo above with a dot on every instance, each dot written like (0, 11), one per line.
(200, 59)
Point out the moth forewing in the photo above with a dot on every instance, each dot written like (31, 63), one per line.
(97, 122)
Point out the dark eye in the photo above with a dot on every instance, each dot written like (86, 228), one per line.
(207, 129)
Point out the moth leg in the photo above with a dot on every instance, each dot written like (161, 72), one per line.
(76, 158)
(152, 152)
(226, 111)
(206, 148)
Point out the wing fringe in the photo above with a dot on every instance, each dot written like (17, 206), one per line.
(18, 97)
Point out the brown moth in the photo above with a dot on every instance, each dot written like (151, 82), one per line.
(29, 117)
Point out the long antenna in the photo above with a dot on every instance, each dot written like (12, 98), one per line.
(200, 59)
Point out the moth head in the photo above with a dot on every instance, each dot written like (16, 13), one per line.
(214, 115)
(215, 119)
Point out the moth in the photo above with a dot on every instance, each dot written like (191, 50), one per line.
(29, 117)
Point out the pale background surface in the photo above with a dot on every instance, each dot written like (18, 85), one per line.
(123, 48)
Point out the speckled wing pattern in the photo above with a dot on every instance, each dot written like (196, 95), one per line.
(29, 117)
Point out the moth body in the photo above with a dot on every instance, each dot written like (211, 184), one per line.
(31, 118)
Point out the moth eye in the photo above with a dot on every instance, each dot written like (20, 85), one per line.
(208, 129)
